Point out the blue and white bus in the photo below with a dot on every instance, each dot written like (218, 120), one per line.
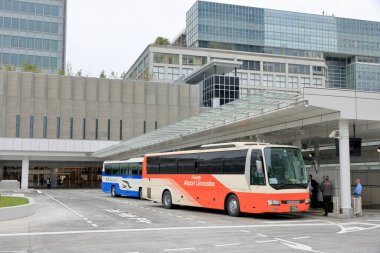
(122, 178)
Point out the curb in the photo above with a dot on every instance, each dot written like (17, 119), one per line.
(16, 212)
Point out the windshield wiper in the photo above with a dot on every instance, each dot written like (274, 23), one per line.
(289, 186)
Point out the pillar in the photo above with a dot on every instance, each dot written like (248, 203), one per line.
(25, 174)
(344, 160)
(1, 173)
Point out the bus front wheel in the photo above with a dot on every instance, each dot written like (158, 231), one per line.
(113, 191)
(233, 206)
(167, 200)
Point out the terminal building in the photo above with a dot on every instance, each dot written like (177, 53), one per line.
(241, 74)
(33, 32)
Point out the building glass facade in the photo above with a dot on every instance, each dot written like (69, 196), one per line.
(33, 32)
(243, 28)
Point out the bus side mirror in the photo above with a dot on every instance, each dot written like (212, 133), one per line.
(259, 167)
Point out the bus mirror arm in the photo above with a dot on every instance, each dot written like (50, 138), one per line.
(315, 166)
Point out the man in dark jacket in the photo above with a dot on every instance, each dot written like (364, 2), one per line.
(313, 188)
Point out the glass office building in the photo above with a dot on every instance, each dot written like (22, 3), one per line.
(33, 32)
(351, 48)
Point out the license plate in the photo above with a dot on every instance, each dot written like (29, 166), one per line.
(293, 209)
(293, 202)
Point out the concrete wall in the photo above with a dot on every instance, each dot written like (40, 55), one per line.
(126, 102)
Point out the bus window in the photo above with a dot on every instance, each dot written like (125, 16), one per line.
(134, 169)
(210, 163)
(153, 166)
(115, 168)
(187, 163)
(234, 162)
(257, 168)
(124, 169)
(168, 164)
(107, 169)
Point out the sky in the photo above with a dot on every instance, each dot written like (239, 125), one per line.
(110, 35)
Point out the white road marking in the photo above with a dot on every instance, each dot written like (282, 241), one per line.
(261, 235)
(189, 219)
(161, 229)
(291, 221)
(266, 241)
(303, 237)
(201, 221)
(94, 225)
(179, 249)
(69, 208)
(38, 191)
(295, 245)
(227, 245)
(179, 216)
(245, 231)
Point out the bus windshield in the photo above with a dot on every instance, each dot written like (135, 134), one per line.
(285, 167)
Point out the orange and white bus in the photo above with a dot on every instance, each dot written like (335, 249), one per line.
(236, 177)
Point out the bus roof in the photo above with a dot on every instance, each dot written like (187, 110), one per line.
(131, 160)
(225, 146)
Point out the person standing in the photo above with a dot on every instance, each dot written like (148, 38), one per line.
(358, 189)
(48, 183)
(326, 188)
(313, 188)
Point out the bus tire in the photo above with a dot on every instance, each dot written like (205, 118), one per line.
(167, 200)
(113, 191)
(140, 193)
(233, 206)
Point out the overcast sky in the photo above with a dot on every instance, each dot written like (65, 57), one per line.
(110, 34)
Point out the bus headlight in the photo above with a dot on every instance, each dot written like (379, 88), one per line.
(273, 202)
(307, 201)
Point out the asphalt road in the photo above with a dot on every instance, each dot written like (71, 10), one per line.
(91, 221)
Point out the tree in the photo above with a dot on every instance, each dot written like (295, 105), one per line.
(147, 75)
(62, 72)
(30, 68)
(79, 73)
(103, 74)
(161, 41)
(114, 75)
(10, 68)
(123, 75)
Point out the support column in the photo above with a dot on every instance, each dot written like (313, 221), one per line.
(1, 173)
(344, 160)
(25, 174)
(297, 143)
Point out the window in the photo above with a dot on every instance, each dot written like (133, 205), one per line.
(8, 5)
(255, 79)
(243, 78)
(54, 45)
(187, 163)
(31, 25)
(14, 41)
(47, 10)
(16, 6)
(153, 166)
(45, 127)
(7, 23)
(23, 24)
(193, 60)
(55, 10)
(39, 26)
(96, 128)
(166, 58)
(173, 73)
(124, 170)
(159, 72)
(39, 9)
(268, 80)
(22, 43)
(317, 70)
(6, 40)
(168, 164)
(115, 168)
(32, 8)
(107, 169)
(317, 82)
(71, 127)
(31, 126)
(257, 168)
(299, 69)
(15, 23)
(108, 129)
(186, 71)
(17, 126)
(234, 162)
(210, 163)
(305, 81)
(280, 81)
(58, 127)
(84, 129)
(54, 28)
(250, 65)
(46, 27)
(135, 169)
(293, 82)
(274, 67)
